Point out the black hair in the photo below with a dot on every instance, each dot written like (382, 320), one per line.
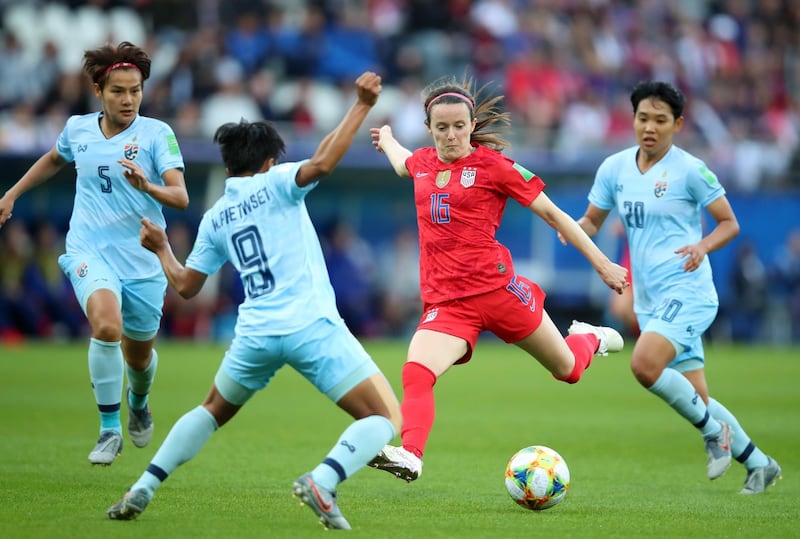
(97, 62)
(245, 146)
(659, 90)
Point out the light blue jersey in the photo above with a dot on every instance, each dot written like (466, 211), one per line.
(661, 211)
(261, 225)
(107, 209)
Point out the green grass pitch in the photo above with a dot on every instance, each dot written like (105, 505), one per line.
(638, 470)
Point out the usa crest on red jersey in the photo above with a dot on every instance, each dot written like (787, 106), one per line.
(468, 175)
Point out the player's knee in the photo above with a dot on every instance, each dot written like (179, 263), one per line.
(644, 371)
(221, 410)
(107, 330)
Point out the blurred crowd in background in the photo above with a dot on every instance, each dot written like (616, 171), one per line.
(566, 68)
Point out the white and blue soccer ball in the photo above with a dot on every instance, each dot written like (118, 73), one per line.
(537, 477)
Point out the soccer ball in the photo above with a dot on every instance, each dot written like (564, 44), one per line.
(537, 477)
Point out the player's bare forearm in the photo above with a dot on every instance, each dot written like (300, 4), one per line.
(176, 273)
(722, 234)
(727, 228)
(693, 255)
(396, 153)
(592, 220)
(727, 225)
(333, 147)
(588, 226)
(338, 141)
(575, 234)
(171, 196)
(612, 274)
(154, 239)
(185, 281)
(566, 226)
(42, 170)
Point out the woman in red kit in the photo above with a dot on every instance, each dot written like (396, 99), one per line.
(467, 278)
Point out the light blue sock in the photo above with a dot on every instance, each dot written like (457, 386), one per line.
(140, 382)
(679, 393)
(187, 436)
(105, 372)
(357, 445)
(742, 447)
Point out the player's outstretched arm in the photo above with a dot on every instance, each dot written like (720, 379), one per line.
(43, 169)
(727, 228)
(396, 153)
(614, 275)
(590, 222)
(172, 194)
(186, 281)
(336, 143)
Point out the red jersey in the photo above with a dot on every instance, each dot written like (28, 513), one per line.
(459, 207)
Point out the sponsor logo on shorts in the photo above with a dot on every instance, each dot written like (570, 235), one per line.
(431, 315)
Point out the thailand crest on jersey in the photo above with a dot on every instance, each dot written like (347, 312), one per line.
(468, 175)
(659, 189)
(443, 178)
(131, 150)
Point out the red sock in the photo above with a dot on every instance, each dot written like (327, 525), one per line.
(418, 406)
(583, 347)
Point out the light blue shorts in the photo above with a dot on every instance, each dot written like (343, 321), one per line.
(141, 300)
(325, 353)
(682, 320)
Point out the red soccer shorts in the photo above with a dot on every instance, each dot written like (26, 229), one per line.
(512, 313)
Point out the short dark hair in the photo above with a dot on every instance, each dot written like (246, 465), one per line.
(660, 90)
(245, 146)
(97, 62)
